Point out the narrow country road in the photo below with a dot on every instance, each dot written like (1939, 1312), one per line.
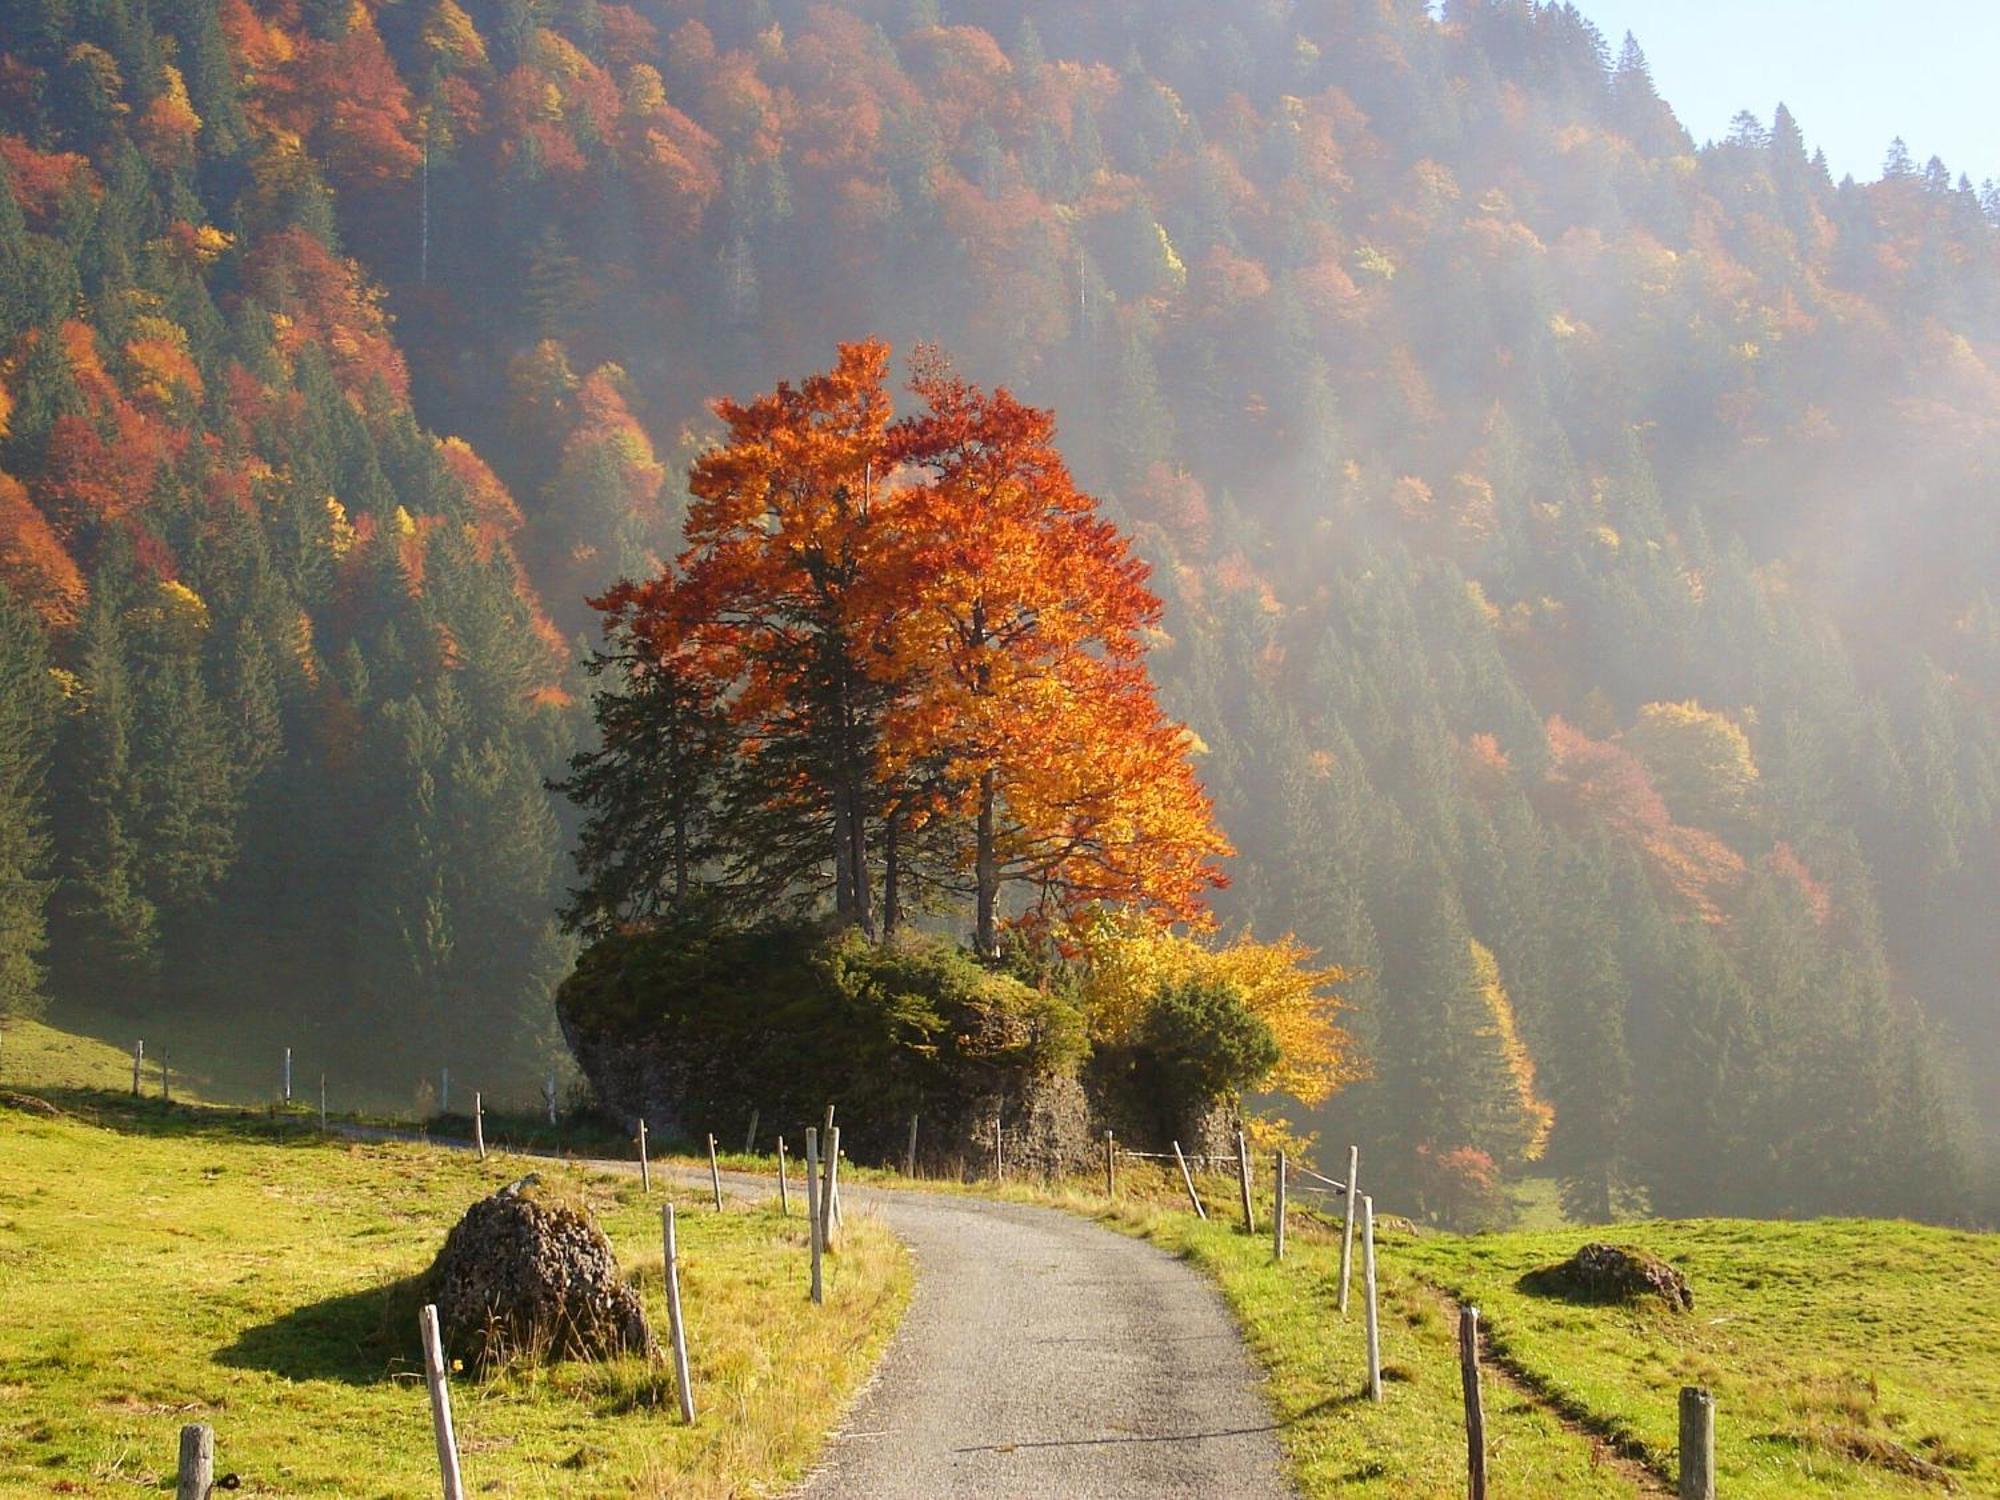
(1043, 1357)
(1046, 1356)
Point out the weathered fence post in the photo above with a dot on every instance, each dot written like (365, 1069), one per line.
(447, 1445)
(1347, 1230)
(750, 1140)
(1187, 1180)
(784, 1188)
(910, 1152)
(549, 1096)
(166, 1080)
(1110, 1166)
(714, 1173)
(1475, 1406)
(1368, 1292)
(197, 1470)
(288, 1075)
(1697, 1444)
(999, 1163)
(1278, 1210)
(830, 1189)
(645, 1167)
(138, 1058)
(812, 1210)
(479, 1123)
(1243, 1181)
(675, 1326)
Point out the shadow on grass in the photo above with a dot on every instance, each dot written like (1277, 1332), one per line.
(359, 1338)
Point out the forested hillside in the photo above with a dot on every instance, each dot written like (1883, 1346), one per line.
(1575, 539)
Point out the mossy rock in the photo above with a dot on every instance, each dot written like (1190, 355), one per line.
(1612, 1273)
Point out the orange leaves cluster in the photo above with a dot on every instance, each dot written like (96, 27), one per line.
(42, 179)
(1607, 784)
(322, 300)
(34, 564)
(976, 597)
(343, 97)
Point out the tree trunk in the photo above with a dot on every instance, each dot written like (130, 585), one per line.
(892, 876)
(986, 874)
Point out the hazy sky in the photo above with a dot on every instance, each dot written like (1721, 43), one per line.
(1854, 72)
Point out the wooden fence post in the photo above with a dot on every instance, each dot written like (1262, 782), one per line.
(1697, 1444)
(1347, 1231)
(1187, 1180)
(1475, 1406)
(138, 1059)
(479, 1123)
(829, 1189)
(1368, 1294)
(1110, 1166)
(288, 1075)
(910, 1152)
(750, 1140)
(166, 1080)
(197, 1470)
(675, 1325)
(447, 1445)
(1278, 1210)
(645, 1167)
(1243, 1181)
(322, 1104)
(784, 1188)
(812, 1210)
(549, 1096)
(999, 1163)
(714, 1173)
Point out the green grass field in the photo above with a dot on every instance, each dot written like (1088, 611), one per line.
(1838, 1352)
(166, 1265)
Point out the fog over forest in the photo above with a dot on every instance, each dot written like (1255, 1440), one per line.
(1576, 544)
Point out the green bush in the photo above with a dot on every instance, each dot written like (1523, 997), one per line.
(783, 1017)
(1202, 1044)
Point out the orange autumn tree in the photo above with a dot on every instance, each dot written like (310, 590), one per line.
(1015, 622)
(926, 650)
(762, 614)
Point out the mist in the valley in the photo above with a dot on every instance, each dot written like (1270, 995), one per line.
(1575, 544)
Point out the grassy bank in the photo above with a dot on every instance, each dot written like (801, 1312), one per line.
(1848, 1358)
(165, 1265)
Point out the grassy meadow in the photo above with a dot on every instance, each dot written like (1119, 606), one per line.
(1847, 1357)
(162, 1265)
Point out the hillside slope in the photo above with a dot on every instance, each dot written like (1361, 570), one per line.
(1576, 540)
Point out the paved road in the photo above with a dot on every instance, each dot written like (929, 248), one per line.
(1045, 1356)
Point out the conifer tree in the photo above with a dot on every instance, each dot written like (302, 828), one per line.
(29, 704)
(109, 927)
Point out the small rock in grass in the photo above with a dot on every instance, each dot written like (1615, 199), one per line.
(1612, 1273)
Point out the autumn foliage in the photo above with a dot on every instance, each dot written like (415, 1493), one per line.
(929, 647)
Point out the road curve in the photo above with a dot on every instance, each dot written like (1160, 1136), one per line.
(1043, 1357)
(1046, 1356)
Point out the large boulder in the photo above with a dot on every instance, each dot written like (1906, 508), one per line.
(1613, 1273)
(525, 1273)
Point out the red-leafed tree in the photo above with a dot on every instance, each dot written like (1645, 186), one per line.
(929, 649)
